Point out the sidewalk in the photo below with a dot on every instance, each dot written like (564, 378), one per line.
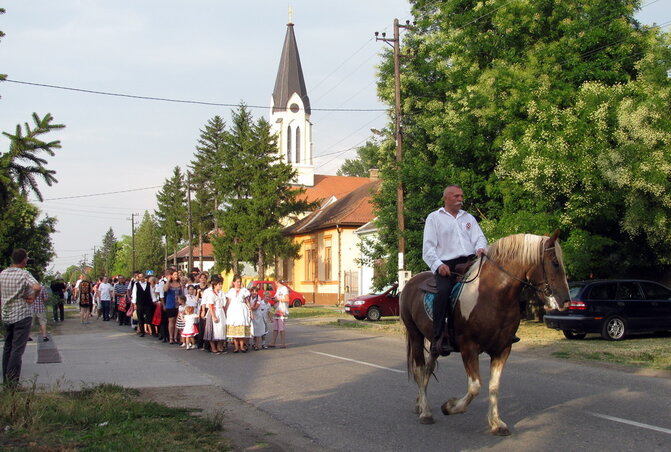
(106, 353)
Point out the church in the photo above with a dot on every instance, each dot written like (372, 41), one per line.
(328, 269)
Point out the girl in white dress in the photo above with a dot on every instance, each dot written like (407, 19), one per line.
(258, 323)
(215, 327)
(238, 315)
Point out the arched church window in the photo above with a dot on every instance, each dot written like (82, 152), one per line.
(289, 144)
(298, 145)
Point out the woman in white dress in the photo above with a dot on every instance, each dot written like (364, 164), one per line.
(215, 326)
(238, 315)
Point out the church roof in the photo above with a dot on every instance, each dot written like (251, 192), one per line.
(354, 209)
(290, 75)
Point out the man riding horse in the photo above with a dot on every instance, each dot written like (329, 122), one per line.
(452, 236)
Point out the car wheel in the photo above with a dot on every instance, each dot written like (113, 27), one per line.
(296, 303)
(614, 329)
(374, 314)
(568, 334)
(359, 317)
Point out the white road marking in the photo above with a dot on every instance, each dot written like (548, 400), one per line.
(360, 362)
(634, 423)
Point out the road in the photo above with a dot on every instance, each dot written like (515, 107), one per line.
(348, 390)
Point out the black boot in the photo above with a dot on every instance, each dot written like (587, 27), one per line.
(441, 346)
(515, 339)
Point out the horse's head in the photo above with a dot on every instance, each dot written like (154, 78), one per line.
(550, 278)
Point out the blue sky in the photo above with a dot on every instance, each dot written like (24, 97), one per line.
(221, 51)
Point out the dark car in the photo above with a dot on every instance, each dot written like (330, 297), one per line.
(613, 308)
(374, 306)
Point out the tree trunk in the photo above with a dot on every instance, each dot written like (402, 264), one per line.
(261, 265)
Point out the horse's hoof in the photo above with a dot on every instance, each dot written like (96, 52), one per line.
(501, 431)
(448, 406)
(426, 420)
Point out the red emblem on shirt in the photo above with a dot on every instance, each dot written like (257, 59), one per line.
(468, 226)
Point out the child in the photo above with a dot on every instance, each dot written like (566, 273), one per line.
(258, 323)
(181, 300)
(190, 327)
(264, 312)
(279, 316)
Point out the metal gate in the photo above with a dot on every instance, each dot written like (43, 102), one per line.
(351, 284)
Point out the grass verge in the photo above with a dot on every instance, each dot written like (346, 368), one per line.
(100, 418)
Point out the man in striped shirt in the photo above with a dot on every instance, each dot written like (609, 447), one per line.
(18, 289)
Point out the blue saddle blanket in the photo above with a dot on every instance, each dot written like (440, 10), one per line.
(454, 296)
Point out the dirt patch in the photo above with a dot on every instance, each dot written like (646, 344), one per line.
(245, 426)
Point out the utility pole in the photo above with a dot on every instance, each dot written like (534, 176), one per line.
(188, 224)
(395, 43)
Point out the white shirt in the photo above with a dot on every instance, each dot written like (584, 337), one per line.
(160, 288)
(133, 295)
(282, 293)
(447, 237)
(105, 290)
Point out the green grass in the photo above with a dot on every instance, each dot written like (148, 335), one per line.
(100, 418)
(314, 311)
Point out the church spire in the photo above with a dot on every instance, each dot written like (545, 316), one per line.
(289, 78)
(290, 112)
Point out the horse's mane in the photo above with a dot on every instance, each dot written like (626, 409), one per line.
(524, 249)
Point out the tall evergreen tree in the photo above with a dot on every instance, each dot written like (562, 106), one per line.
(148, 247)
(501, 97)
(205, 169)
(257, 195)
(367, 158)
(172, 211)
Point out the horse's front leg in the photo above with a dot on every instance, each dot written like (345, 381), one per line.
(472, 367)
(497, 426)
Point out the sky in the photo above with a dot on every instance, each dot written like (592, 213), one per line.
(215, 51)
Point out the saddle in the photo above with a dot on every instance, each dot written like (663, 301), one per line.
(429, 284)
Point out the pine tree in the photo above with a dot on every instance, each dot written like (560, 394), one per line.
(148, 247)
(172, 211)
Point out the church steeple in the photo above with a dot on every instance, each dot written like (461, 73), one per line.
(290, 111)
(289, 78)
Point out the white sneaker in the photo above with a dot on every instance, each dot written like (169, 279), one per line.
(183, 345)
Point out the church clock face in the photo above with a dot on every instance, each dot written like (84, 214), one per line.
(294, 108)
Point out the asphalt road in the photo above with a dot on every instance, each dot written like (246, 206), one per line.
(348, 390)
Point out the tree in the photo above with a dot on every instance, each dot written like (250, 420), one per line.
(367, 159)
(124, 259)
(172, 212)
(148, 246)
(205, 168)
(24, 148)
(507, 99)
(254, 205)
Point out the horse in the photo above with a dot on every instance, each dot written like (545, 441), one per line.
(485, 317)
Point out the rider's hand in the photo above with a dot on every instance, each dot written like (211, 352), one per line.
(444, 270)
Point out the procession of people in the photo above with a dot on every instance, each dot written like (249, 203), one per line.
(194, 310)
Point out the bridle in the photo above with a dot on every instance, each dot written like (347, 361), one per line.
(543, 287)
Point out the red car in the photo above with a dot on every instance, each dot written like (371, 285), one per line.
(296, 299)
(374, 306)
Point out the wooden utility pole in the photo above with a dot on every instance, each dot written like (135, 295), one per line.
(188, 223)
(395, 42)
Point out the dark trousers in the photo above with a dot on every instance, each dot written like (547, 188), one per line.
(441, 302)
(144, 313)
(105, 304)
(16, 338)
(59, 311)
(163, 327)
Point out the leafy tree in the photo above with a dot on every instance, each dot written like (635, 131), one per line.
(256, 195)
(526, 104)
(367, 158)
(123, 253)
(172, 211)
(71, 274)
(148, 246)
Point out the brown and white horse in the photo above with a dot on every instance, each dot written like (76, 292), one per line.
(486, 316)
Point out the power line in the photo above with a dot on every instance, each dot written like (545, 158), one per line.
(179, 101)
(101, 194)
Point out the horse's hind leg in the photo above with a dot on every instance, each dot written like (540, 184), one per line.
(422, 373)
(497, 426)
(472, 366)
